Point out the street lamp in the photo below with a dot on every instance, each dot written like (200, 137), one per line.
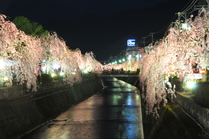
(129, 57)
(53, 75)
(190, 84)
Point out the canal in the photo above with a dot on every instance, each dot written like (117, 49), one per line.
(112, 113)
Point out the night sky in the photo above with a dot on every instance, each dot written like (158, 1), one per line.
(39, 10)
(101, 26)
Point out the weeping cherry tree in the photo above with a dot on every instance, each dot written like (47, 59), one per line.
(21, 54)
(180, 50)
(24, 52)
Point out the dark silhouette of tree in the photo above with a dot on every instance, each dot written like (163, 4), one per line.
(30, 28)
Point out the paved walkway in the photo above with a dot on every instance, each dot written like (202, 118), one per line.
(113, 113)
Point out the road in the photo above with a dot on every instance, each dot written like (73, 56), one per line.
(113, 113)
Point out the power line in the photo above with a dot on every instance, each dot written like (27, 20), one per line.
(190, 6)
(185, 9)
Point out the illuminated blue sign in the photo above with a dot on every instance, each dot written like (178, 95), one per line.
(131, 42)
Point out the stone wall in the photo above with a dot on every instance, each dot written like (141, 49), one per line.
(20, 114)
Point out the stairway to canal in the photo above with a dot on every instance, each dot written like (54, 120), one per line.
(112, 113)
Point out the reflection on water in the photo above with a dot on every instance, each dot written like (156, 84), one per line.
(115, 112)
(124, 109)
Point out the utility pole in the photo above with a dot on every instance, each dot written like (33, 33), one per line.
(202, 4)
(207, 5)
(152, 37)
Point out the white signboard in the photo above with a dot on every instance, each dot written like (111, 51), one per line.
(131, 42)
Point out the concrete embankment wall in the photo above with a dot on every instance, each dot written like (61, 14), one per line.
(200, 114)
(167, 126)
(131, 80)
(20, 114)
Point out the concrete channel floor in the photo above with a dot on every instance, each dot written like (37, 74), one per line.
(113, 113)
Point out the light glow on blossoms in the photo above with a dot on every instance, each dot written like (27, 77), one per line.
(55, 66)
(53, 75)
(61, 73)
(186, 26)
(180, 51)
(25, 53)
(5, 78)
(86, 70)
(131, 65)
